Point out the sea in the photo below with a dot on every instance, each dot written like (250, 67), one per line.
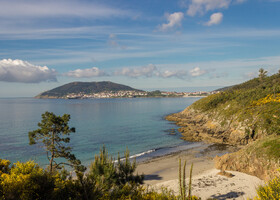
(134, 123)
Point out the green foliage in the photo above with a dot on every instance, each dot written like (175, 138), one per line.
(107, 174)
(103, 171)
(182, 183)
(53, 134)
(262, 74)
(190, 182)
(126, 169)
(272, 148)
(29, 181)
(163, 194)
(155, 93)
(182, 180)
(246, 102)
(270, 191)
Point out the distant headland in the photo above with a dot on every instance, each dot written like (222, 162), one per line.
(107, 89)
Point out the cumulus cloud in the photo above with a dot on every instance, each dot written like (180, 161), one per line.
(197, 72)
(150, 71)
(177, 73)
(146, 71)
(202, 6)
(86, 73)
(174, 20)
(25, 72)
(215, 19)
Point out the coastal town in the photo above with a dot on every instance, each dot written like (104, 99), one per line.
(135, 94)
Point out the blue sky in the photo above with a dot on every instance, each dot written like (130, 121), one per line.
(143, 44)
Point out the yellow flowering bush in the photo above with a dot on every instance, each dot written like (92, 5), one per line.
(4, 166)
(268, 99)
(271, 191)
(25, 181)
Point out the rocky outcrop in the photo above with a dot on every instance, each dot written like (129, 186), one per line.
(250, 162)
(198, 126)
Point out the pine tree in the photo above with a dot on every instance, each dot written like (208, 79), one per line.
(262, 74)
(53, 134)
(126, 169)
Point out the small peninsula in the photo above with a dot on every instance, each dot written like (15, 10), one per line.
(107, 89)
(245, 115)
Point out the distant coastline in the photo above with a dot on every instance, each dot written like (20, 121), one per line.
(107, 89)
(128, 94)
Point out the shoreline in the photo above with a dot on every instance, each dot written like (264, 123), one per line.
(163, 171)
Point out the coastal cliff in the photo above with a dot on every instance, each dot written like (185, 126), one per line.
(196, 126)
(246, 115)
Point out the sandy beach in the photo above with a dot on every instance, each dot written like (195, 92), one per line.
(163, 171)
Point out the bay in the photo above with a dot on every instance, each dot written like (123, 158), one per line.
(134, 123)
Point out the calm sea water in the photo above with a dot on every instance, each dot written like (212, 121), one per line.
(137, 124)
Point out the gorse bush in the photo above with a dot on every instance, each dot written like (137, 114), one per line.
(26, 181)
(271, 191)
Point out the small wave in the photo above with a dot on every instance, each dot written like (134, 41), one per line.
(143, 153)
(138, 155)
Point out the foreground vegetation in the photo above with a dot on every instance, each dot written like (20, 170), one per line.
(105, 180)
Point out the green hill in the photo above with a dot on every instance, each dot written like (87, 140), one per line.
(247, 114)
(84, 88)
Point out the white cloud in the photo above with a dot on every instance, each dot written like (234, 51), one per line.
(197, 72)
(174, 20)
(146, 71)
(150, 71)
(177, 73)
(86, 73)
(215, 19)
(24, 72)
(202, 6)
(57, 8)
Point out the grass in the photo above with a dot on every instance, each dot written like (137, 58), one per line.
(266, 148)
(272, 148)
(254, 103)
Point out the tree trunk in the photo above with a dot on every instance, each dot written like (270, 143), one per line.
(52, 153)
